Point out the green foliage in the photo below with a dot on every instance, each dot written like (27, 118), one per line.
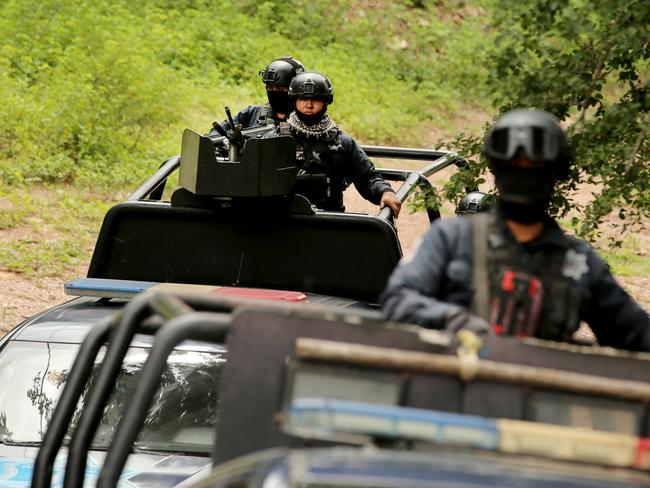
(586, 62)
(425, 198)
(12, 210)
(96, 92)
(77, 102)
(466, 178)
(629, 260)
(48, 244)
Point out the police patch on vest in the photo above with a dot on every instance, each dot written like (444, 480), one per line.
(336, 146)
(575, 265)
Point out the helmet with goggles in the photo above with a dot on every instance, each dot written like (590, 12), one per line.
(534, 134)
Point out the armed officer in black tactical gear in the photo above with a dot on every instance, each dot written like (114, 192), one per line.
(513, 270)
(277, 77)
(330, 160)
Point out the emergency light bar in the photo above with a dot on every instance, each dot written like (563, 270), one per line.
(127, 289)
(328, 417)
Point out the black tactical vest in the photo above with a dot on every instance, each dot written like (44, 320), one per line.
(267, 116)
(531, 294)
(319, 179)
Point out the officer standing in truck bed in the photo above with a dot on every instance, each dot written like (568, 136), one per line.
(329, 159)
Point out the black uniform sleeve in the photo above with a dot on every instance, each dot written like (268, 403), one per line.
(247, 118)
(616, 319)
(368, 182)
(415, 287)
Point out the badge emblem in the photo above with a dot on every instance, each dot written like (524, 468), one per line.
(575, 265)
(336, 146)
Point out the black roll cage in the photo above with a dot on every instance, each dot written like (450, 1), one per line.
(146, 314)
(152, 188)
(243, 325)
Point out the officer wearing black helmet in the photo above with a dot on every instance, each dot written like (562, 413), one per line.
(512, 270)
(330, 159)
(277, 77)
(472, 202)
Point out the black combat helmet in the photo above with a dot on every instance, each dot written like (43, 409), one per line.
(535, 132)
(473, 202)
(312, 84)
(525, 189)
(281, 71)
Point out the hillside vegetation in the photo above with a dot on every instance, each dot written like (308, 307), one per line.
(94, 95)
(97, 92)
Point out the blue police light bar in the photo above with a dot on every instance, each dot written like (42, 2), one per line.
(325, 415)
(127, 289)
(106, 288)
(330, 417)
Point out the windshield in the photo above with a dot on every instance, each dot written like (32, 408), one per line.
(182, 416)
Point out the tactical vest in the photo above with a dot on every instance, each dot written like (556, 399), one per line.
(318, 178)
(527, 294)
(267, 116)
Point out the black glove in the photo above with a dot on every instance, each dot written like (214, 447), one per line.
(460, 318)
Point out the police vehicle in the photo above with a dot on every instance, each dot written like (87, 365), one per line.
(234, 232)
(322, 393)
(323, 397)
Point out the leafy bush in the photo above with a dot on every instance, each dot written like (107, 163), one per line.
(586, 62)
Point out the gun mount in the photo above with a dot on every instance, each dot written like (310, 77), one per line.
(267, 168)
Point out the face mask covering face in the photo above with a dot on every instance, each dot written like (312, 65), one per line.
(313, 118)
(524, 194)
(280, 102)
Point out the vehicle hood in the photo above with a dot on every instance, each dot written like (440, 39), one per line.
(142, 469)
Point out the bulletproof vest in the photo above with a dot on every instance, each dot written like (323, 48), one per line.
(267, 115)
(318, 178)
(532, 294)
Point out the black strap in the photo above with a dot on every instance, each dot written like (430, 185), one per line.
(292, 61)
(479, 229)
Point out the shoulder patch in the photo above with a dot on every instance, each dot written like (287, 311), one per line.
(336, 146)
(575, 265)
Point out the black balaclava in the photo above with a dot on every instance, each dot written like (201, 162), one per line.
(313, 118)
(524, 193)
(280, 102)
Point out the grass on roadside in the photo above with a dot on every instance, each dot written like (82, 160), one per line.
(628, 260)
(50, 232)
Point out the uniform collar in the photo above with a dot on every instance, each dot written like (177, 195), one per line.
(552, 234)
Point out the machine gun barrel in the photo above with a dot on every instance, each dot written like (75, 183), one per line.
(216, 126)
(230, 120)
(250, 133)
(235, 137)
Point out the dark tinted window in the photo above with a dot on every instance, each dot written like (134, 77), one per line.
(538, 143)
(181, 418)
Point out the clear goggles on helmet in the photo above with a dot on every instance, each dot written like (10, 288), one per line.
(535, 142)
